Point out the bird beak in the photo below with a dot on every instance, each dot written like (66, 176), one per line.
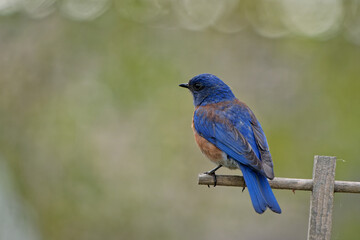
(184, 85)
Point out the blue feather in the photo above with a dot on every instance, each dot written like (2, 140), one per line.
(260, 191)
(232, 127)
(268, 194)
(252, 184)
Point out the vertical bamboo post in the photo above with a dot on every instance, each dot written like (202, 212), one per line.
(322, 196)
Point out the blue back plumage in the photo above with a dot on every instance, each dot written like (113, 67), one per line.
(231, 126)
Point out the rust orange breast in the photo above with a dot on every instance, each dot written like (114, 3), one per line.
(209, 149)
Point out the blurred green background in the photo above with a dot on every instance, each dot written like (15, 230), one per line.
(95, 137)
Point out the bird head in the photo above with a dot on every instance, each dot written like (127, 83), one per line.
(207, 88)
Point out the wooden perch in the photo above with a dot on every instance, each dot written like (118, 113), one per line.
(278, 183)
(322, 187)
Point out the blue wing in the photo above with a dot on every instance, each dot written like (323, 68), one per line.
(238, 133)
(232, 132)
(235, 130)
(262, 146)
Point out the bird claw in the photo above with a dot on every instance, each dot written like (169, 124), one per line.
(214, 176)
(212, 173)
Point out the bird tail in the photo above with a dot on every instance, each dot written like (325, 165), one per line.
(260, 191)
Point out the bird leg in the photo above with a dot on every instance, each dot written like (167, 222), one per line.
(212, 172)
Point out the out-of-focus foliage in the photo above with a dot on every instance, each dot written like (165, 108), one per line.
(95, 138)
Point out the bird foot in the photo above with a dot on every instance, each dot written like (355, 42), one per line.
(212, 173)
(243, 189)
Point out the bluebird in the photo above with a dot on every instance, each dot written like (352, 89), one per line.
(228, 133)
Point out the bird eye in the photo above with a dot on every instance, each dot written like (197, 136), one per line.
(198, 86)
